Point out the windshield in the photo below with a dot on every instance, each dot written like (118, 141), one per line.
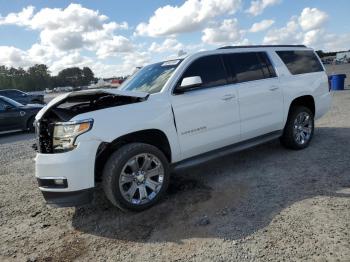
(12, 102)
(151, 78)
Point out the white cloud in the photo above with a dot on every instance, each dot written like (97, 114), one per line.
(168, 45)
(22, 18)
(258, 6)
(289, 34)
(307, 29)
(64, 33)
(74, 27)
(313, 37)
(62, 39)
(190, 16)
(111, 47)
(12, 56)
(127, 65)
(228, 32)
(261, 26)
(336, 42)
(312, 18)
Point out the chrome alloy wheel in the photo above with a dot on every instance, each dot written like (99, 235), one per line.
(302, 128)
(141, 179)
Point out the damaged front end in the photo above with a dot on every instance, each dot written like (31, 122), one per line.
(54, 129)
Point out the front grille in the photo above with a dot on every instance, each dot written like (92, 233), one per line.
(44, 133)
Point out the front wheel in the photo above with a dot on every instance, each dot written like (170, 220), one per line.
(136, 176)
(299, 128)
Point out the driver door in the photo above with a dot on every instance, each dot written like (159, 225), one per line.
(207, 116)
(10, 118)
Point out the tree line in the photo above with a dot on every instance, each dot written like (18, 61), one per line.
(38, 78)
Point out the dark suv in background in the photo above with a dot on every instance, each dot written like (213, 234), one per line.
(22, 97)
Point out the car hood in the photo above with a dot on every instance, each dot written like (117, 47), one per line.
(89, 93)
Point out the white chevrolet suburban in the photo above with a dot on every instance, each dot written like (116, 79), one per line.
(174, 114)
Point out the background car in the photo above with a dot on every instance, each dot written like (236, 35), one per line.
(15, 116)
(22, 97)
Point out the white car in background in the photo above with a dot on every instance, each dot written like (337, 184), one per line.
(174, 114)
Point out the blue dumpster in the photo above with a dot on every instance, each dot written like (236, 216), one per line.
(337, 81)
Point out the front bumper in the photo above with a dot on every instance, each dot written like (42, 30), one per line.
(76, 168)
(68, 199)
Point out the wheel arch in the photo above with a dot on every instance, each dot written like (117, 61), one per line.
(305, 100)
(153, 137)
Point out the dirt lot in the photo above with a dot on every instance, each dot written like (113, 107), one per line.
(266, 203)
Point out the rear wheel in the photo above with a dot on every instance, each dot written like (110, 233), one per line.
(136, 176)
(299, 128)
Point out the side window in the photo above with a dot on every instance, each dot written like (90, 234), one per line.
(210, 69)
(245, 66)
(2, 105)
(14, 93)
(300, 62)
(9, 93)
(266, 65)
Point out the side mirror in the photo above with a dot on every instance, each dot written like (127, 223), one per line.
(189, 82)
(7, 108)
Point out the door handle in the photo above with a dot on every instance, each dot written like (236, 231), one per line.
(228, 97)
(273, 88)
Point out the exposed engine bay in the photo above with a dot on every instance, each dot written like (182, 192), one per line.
(72, 106)
(78, 103)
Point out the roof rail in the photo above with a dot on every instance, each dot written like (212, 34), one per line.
(252, 46)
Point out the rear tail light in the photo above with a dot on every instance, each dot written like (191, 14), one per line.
(329, 84)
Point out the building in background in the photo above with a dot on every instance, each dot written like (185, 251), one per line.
(343, 57)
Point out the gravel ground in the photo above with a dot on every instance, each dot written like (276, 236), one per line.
(265, 203)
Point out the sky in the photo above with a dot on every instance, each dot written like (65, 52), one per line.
(113, 37)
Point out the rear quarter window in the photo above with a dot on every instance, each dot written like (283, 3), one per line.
(300, 62)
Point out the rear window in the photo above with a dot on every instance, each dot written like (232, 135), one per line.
(249, 66)
(300, 62)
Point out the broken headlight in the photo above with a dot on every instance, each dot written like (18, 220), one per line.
(65, 133)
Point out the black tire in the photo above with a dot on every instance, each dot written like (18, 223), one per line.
(288, 139)
(112, 172)
(30, 125)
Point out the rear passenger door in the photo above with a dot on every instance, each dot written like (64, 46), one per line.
(259, 92)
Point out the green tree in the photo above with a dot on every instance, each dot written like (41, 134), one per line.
(38, 77)
(88, 76)
(72, 76)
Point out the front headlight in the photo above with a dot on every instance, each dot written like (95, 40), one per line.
(65, 133)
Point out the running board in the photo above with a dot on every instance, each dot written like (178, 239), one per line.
(196, 160)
